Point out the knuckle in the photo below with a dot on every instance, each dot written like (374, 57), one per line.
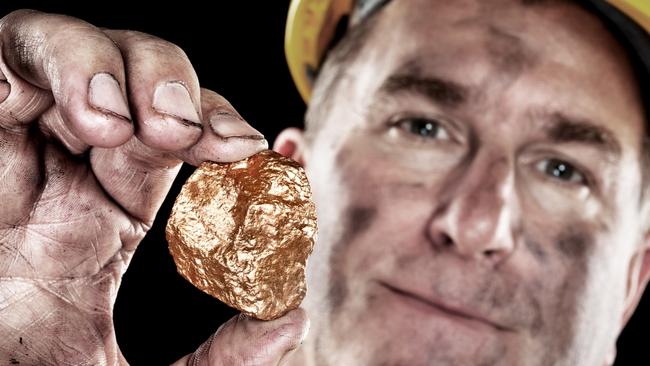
(16, 17)
(33, 35)
(213, 102)
(169, 49)
(79, 34)
(61, 35)
(150, 44)
(213, 96)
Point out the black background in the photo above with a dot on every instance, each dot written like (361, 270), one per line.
(236, 48)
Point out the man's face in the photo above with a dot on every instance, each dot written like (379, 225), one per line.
(478, 180)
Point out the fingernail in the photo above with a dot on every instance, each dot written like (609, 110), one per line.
(105, 94)
(172, 98)
(228, 125)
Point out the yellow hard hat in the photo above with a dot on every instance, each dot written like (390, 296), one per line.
(312, 25)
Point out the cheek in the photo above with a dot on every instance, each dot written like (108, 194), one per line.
(367, 207)
(585, 283)
(370, 182)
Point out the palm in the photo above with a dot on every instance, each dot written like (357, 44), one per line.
(70, 246)
(92, 133)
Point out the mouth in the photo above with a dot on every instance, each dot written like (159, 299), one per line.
(436, 308)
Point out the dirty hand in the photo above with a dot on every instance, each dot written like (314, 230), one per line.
(94, 126)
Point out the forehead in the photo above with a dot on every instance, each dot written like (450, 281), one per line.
(555, 50)
(534, 21)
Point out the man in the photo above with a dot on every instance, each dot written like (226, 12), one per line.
(478, 167)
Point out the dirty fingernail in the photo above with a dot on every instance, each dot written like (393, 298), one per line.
(228, 125)
(173, 99)
(106, 95)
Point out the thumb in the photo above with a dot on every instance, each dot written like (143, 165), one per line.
(243, 340)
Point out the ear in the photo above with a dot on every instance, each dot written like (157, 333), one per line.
(291, 143)
(638, 276)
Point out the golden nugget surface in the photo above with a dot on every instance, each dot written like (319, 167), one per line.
(242, 233)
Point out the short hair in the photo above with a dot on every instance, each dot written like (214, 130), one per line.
(343, 51)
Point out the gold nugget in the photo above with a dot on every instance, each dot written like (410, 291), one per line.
(242, 233)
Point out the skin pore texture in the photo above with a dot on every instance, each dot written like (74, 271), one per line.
(476, 166)
(477, 176)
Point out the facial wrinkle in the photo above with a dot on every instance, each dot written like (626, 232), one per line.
(507, 51)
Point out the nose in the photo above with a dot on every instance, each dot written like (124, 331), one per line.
(475, 217)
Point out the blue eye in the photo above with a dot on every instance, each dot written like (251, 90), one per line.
(424, 128)
(561, 170)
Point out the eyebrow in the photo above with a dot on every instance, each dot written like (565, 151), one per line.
(444, 92)
(566, 129)
(561, 127)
